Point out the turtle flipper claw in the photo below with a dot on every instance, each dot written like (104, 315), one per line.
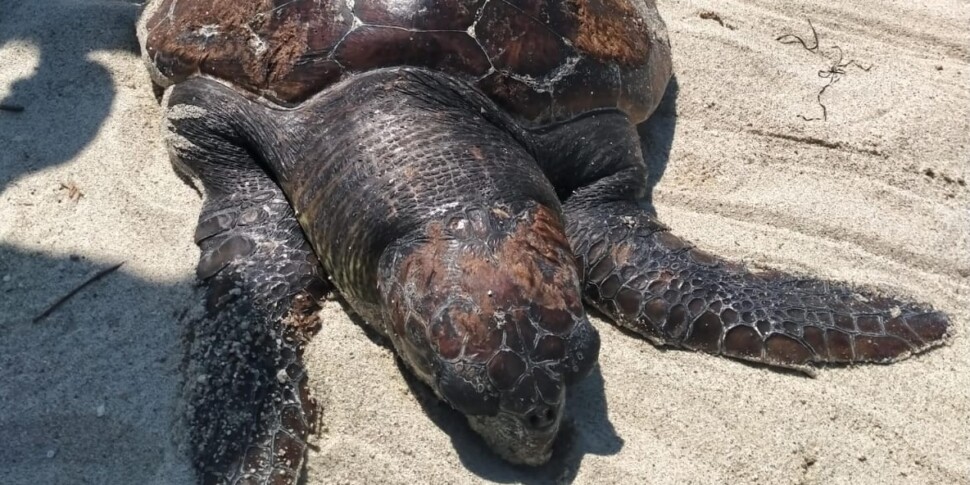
(657, 285)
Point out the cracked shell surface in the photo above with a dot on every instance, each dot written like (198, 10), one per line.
(527, 55)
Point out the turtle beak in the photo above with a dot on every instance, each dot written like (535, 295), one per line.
(521, 439)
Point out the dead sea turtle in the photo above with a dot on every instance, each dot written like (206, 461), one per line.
(465, 173)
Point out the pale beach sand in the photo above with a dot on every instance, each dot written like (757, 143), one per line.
(876, 196)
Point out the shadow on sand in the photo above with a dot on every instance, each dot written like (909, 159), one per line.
(88, 392)
(656, 138)
(69, 95)
(586, 429)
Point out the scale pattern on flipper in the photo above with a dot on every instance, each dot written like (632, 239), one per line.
(247, 406)
(661, 287)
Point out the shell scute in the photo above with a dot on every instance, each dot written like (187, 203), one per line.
(371, 47)
(419, 14)
(541, 60)
(518, 43)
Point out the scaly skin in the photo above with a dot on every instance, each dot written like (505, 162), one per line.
(653, 283)
(469, 241)
(248, 409)
(453, 250)
(424, 192)
(487, 308)
(657, 285)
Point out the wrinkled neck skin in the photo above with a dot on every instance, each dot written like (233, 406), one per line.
(426, 206)
(381, 156)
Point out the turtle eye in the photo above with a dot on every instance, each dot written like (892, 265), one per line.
(583, 349)
(466, 388)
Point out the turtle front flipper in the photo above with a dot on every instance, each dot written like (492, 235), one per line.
(247, 405)
(651, 282)
(659, 286)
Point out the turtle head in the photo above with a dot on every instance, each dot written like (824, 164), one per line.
(484, 305)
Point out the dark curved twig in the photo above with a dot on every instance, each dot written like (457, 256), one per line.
(60, 301)
(792, 38)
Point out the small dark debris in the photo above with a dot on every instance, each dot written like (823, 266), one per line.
(13, 108)
(710, 15)
(929, 172)
(939, 68)
(181, 315)
(834, 72)
(73, 191)
(808, 140)
(792, 38)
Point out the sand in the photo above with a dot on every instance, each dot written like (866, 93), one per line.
(876, 196)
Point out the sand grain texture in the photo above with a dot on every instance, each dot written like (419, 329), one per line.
(875, 196)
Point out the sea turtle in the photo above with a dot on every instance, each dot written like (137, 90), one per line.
(465, 174)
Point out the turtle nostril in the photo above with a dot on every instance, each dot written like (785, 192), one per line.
(541, 418)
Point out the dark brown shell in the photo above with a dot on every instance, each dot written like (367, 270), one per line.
(540, 59)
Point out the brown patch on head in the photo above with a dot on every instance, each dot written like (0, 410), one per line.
(483, 281)
(610, 30)
(534, 264)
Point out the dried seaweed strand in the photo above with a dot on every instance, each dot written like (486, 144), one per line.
(834, 72)
(792, 38)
